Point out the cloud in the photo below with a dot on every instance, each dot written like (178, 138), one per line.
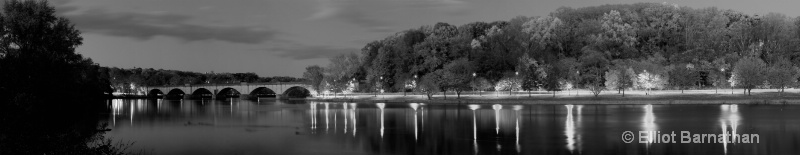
(301, 52)
(144, 26)
(364, 13)
(348, 11)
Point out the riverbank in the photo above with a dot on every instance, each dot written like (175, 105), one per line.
(735, 96)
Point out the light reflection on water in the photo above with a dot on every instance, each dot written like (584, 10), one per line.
(649, 124)
(283, 127)
(729, 117)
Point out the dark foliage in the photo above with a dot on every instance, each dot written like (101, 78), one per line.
(50, 96)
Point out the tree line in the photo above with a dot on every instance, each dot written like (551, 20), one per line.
(132, 80)
(610, 47)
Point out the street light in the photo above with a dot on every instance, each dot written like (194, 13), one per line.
(515, 83)
(473, 80)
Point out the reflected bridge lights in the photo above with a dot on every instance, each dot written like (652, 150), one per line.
(327, 119)
(313, 112)
(345, 112)
(517, 109)
(415, 106)
(649, 123)
(474, 107)
(729, 117)
(497, 108)
(569, 129)
(381, 106)
(353, 115)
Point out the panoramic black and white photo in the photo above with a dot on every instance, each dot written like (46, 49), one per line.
(428, 77)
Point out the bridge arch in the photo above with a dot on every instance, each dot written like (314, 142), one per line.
(175, 94)
(228, 92)
(155, 93)
(262, 92)
(297, 92)
(202, 93)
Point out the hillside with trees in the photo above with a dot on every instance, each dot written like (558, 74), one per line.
(642, 46)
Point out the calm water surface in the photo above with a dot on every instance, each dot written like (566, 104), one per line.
(271, 126)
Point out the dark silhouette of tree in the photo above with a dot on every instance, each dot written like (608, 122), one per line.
(682, 76)
(593, 65)
(315, 76)
(458, 75)
(50, 96)
(748, 73)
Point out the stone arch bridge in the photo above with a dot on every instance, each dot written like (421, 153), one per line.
(242, 90)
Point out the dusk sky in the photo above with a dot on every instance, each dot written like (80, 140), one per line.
(282, 37)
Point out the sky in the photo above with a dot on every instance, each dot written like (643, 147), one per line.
(282, 37)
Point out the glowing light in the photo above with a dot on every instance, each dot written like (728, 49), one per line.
(474, 106)
(132, 114)
(517, 107)
(569, 129)
(313, 112)
(497, 108)
(729, 117)
(353, 114)
(724, 138)
(414, 106)
(326, 117)
(381, 106)
(649, 123)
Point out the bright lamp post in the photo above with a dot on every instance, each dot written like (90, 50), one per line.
(473, 80)
(516, 82)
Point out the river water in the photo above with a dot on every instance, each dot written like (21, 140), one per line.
(269, 126)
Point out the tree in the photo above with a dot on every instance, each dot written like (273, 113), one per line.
(531, 72)
(782, 74)
(341, 71)
(620, 78)
(649, 81)
(682, 76)
(571, 73)
(458, 75)
(50, 96)
(315, 76)
(480, 84)
(554, 77)
(593, 65)
(410, 84)
(431, 84)
(508, 83)
(617, 38)
(748, 73)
